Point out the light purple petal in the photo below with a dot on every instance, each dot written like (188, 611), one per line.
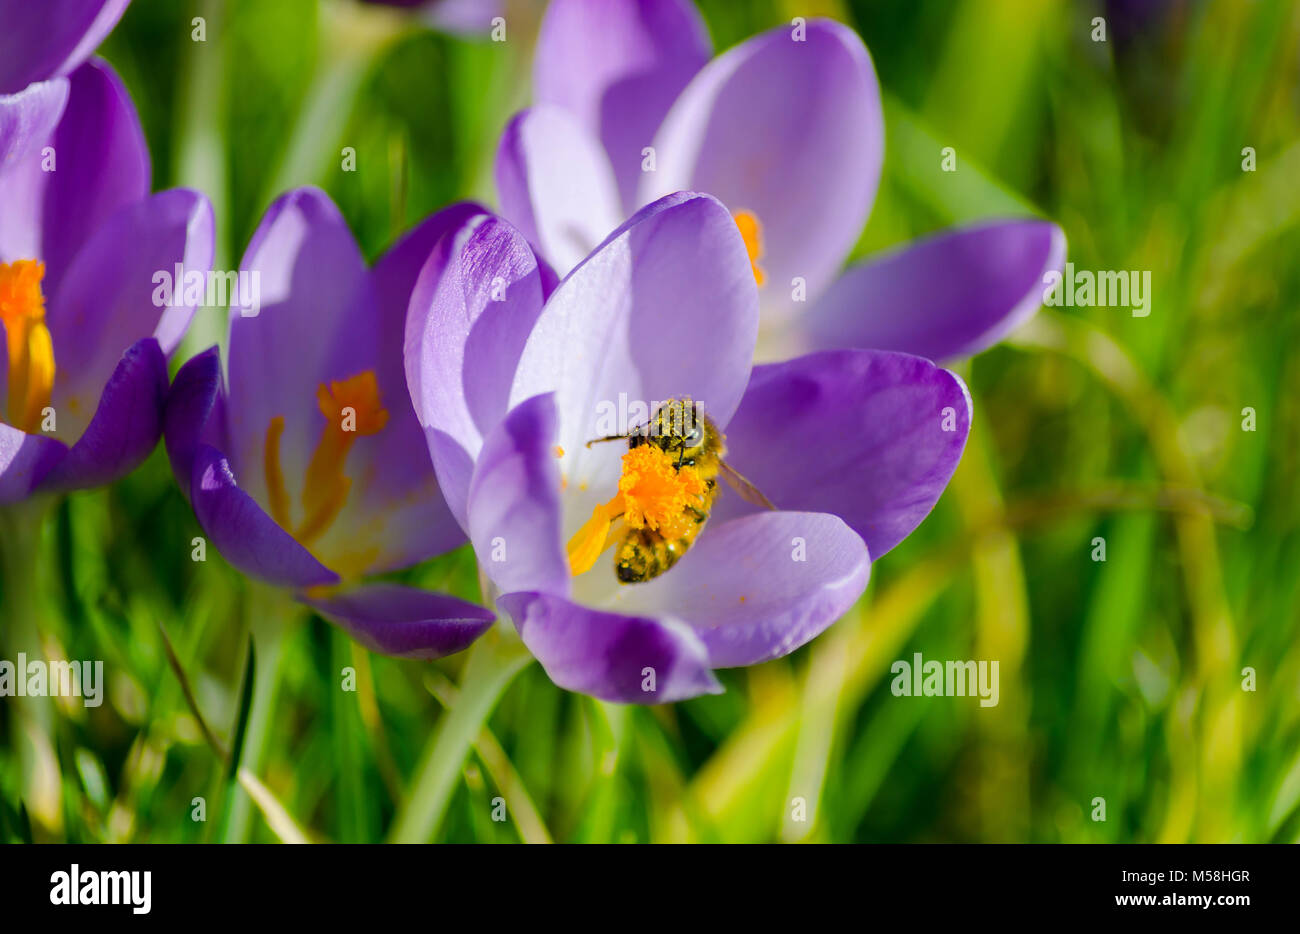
(611, 656)
(758, 587)
(791, 132)
(107, 302)
(617, 65)
(313, 282)
(126, 425)
(469, 18)
(244, 534)
(25, 460)
(473, 308)
(869, 436)
(666, 308)
(404, 621)
(27, 119)
(946, 296)
(396, 492)
(514, 503)
(556, 185)
(101, 164)
(45, 38)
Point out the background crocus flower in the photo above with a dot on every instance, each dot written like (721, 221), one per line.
(305, 464)
(40, 45)
(786, 129)
(461, 17)
(854, 447)
(84, 372)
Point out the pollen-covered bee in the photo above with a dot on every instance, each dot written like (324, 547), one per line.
(667, 491)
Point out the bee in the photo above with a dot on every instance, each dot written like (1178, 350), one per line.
(691, 439)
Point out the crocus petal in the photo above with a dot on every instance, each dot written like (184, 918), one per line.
(191, 402)
(471, 312)
(42, 40)
(665, 308)
(556, 185)
(790, 131)
(25, 460)
(945, 296)
(244, 534)
(108, 300)
(514, 502)
(879, 435)
(617, 65)
(126, 425)
(313, 279)
(404, 621)
(396, 500)
(101, 164)
(758, 587)
(27, 119)
(626, 659)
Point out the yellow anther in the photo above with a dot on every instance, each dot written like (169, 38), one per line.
(31, 352)
(751, 231)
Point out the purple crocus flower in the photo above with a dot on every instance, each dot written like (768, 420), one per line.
(84, 375)
(304, 463)
(786, 129)
(41, 44)
(511, 381)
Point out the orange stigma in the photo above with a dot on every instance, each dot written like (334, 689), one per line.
(352, 409)
(751, 231)
(652, 493)
(31, 352)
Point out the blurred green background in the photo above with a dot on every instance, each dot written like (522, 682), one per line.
(1121, 680)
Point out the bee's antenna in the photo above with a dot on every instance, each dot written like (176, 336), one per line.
(608, 438)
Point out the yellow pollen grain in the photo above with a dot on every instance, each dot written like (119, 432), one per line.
(652, 493)
(655, 493)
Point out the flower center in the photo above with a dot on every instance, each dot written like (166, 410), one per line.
(31, 352)
(653, 493)
(352, 409)
(751, 231)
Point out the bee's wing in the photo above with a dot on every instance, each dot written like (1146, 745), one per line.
(748, 492)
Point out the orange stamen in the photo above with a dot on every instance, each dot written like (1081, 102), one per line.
(276, 492)
(751, 231)
(352, 409)
(31, 352)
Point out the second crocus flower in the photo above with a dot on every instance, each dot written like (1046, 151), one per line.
(786, 129)
(303, 460)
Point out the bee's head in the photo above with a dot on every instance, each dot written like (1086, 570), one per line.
(677, 427)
